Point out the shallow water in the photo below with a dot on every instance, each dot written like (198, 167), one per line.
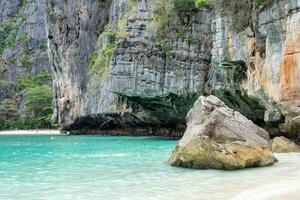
(44, 167)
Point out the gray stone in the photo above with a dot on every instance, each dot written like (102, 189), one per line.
(219, 137)
(27, 38)
(138, 67)
(142, 65)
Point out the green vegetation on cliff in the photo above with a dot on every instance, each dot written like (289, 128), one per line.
(8, 29)
(164, 9)
(25, 81)
(100, 60)
(36, 108)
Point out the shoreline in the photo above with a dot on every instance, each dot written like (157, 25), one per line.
(32, 132)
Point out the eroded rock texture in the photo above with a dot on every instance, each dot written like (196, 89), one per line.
(269, 49)
(109, 57)
(284, 145)
(23, 45)
(221, 138)
(142, 72)
(73, 27)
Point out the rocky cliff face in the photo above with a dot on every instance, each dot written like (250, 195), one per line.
(145, 68)
(113, 57)
(23, 48)
(138, 63)
(73, 28)
(269, 47)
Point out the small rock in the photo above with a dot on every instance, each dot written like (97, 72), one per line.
(284, 145)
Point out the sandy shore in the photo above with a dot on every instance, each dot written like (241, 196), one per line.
(289, 190)
(30, 132)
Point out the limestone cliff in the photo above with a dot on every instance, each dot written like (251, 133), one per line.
(23, 54)
(269, 47)
(124, 64)
(23, 48)
(114, 66)
(150, 75)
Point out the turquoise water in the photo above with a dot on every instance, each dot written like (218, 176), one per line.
(44, 167)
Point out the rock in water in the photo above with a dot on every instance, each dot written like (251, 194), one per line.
(284, 145)
(221, 138)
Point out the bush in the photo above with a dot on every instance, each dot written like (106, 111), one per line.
(38, 101)
(184, 5)
(37, 110)
(8, 109)
(25, 61)
(8, 33)
(25, 123)
(25, 82)
(201, 3)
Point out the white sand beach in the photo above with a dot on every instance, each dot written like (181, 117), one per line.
(31, 132)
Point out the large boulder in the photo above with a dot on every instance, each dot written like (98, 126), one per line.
(221, 138)
(284, 145)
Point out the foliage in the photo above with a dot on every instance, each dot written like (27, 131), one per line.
(25, 82)
(167, 110)
(122, 24)
(163, 45)
(38, 102)
(201, 3)
(179, 72)
(8, 109)
(181, 32)
(184, 6)
(189, 6)
(261, 2)
(25, 61)
(100, 61)
(240, 11)
(37, 105)
(166, 10)
(25, 123)
(162, 13)
(12, 39)
(25, 37)
(32, 106)
(8, 29)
